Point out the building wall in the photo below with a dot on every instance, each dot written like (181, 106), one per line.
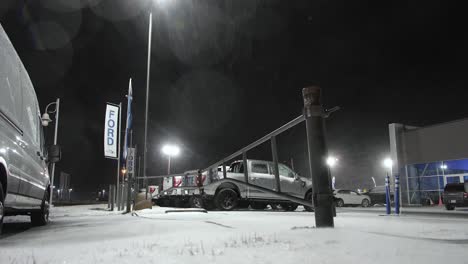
(447, 141)
(427, 158)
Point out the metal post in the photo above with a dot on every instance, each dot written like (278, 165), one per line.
(407, 184)
(118, 155)
(129, 175)
(169, 165)
(139, 171)
(122, 197)
(109, 198)
(387, 195)
(112, 197)
(224, 170)
(246, 171)
(274, 154)
(145, 148)
(55, 143)
(315, 126)
(397, 194)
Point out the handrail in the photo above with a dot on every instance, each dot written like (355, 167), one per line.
(265, 138)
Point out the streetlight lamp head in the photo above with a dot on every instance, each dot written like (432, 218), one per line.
(388, 162)
(46, 119)
(170, 150)
(332, 161)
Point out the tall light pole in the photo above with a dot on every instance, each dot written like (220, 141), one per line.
(45, 122)
(145, 147)
(170, 151)
(388, 164)
(331, 162)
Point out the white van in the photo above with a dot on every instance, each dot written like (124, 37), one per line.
(24, 176)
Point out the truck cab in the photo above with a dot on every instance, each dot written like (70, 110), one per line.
(260, 173)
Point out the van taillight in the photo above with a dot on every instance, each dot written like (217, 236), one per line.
(465, 195)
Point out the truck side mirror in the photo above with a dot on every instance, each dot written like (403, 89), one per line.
(54, 153)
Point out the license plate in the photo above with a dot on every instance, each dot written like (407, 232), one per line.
(453, 201)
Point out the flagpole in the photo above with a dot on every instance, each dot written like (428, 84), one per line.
(126, 148)
(145, 148)
(118, 157)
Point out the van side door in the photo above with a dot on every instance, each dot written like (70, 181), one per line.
(10, 117)
(35, 176)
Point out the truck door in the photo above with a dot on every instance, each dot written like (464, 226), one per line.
(260, 175)
(288, 183)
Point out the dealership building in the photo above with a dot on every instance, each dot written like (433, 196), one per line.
(427, 158)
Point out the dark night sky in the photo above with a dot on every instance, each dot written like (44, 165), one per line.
(227, 72)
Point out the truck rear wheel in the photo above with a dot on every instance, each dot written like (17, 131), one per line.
(449, 207)
(309, 198)
(226, 199)
(196, 202)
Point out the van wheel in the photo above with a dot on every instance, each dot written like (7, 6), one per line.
(41, 217)
(226, 199)
(309, 198)
(2, 207)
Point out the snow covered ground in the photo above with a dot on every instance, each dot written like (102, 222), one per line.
(90, 234)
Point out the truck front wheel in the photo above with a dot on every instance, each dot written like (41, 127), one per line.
(226, 199)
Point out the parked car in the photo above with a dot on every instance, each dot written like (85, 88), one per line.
(378, 196)
(24, 176)
(455, 195)
(348, 197)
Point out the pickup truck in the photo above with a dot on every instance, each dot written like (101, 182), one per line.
(455, 195)
(230, 193)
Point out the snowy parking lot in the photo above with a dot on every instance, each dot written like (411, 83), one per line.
(91, 234)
